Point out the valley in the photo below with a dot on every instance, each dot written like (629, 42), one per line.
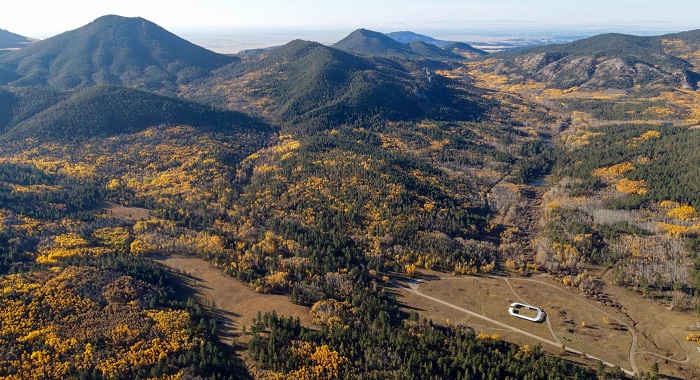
(368, 209)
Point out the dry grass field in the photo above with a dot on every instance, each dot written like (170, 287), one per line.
(237, 302)
(126, 213)
(642, 329)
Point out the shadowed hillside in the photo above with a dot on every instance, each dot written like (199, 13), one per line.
(109, 110)
(370, 43)
(429, 51)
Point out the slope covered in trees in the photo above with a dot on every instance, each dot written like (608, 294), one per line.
(109, 110)
(307, 84)
(112, 50)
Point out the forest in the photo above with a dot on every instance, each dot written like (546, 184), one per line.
(328, 175)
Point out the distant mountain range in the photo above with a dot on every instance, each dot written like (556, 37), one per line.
(403, 44)
(406, 37)
(459, 48)
(9, 40)
(110, 50)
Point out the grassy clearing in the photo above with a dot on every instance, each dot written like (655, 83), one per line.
(127, 213)
(578, 323)
(237, 302)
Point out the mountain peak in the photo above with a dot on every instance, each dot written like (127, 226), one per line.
(369, 42)
(112, 49)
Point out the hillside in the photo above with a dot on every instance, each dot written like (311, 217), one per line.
(607, 61)
(107, 110)
(684, 45)
(305, 81)
(429, 51)
(12, 40)
(20, 104)
(112, 50)
(406, 37)
(464, 49)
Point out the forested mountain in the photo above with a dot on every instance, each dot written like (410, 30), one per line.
(306, 83)
(111, 50)
(12, 40)
(109, 110)
(606, 61)
(368, 42)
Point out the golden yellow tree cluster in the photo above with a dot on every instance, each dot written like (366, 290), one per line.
(48, 328)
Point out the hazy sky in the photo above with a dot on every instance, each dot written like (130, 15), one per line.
(45, 18)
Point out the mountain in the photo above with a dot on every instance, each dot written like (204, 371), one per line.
(368, 42)
(303, 81)
(107, 110)
(406, 37)
(10, 40)
(112, 50)
(605, 61)
(464, 50)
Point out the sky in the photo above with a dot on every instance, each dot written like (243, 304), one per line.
(45, 18)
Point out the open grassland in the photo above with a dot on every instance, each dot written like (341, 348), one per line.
(632, 336)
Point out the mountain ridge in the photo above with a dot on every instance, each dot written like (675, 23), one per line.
(611, 60)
